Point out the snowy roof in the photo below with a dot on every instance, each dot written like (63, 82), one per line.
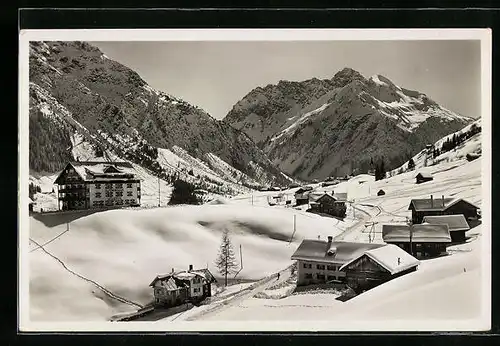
(437, 204)
(400, 233)
(168, 280)
(101, 170)
(323, 197)
(341, 197)
(424, 175)
(454, 222)
(206, 273)
(390, 257)
(303, 189)
(335, 252)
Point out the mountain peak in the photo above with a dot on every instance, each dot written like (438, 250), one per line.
(346, 76)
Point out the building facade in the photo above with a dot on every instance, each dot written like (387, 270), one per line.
(443, 206)
(87, 185)
(319, 261)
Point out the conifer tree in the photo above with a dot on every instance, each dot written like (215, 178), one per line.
(226, 260)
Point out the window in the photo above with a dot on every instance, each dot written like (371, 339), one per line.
(127, 201)
(118, 193)
(108, 186)
(109, 193)
(196, 290)
(119, 202)
(309, 276)
(307, 265)
(129, 185)
(320, 276)
(129, 193)
(320, 266)
(331, 268)
(97, 195)
(97, 186)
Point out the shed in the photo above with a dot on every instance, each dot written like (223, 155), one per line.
(422, 177)
(457, 225)
(377, 266)
(380, 192)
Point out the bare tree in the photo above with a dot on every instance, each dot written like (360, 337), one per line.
(226, 261)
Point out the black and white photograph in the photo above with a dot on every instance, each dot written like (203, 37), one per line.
(223, 179)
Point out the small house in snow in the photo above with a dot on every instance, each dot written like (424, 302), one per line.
(443, 206)
(319, 261)
(376, 266)
(328, 204)
(418, 240)
(422, 177)
(302, 195)
(457, 225)
(178, 288)
(380, 192)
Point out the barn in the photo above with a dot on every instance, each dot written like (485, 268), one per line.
(422, 177)
(302, 195)
(443, 206)
(457, 225)
(418, 240)
(377, 266)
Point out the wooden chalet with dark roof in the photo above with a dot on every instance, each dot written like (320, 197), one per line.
(86, 185)
(422, 177)
(328, 204)
(443, 206)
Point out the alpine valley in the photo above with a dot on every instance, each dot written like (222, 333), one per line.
(80, 99)
(319, 128)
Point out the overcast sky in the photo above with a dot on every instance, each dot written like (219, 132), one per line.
(215, 75)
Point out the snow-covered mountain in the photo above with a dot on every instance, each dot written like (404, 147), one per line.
(468, 142)
(80, 99)
(317, 128)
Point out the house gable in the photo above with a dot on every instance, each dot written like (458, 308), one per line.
(364, 263)
(68, 172)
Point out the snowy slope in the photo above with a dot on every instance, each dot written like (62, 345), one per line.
(124, 249)
(423, 159)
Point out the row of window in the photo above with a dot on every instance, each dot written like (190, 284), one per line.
(321, 267)
(111, 202)
(110, 194)
(321, 277)
(196, 290)
(116, 186)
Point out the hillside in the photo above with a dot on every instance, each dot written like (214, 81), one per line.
(318, 128)
(75, 90)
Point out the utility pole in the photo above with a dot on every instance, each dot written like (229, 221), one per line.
(252, 199)
(159, 191)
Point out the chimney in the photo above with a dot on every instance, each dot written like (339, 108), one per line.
(173, 270)
(330, 238)
(319, 237)
(399, 260)
(432, 202)
(442, 198)
(190, 267)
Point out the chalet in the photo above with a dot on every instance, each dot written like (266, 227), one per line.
(302, 195)
(86, 185)
(376, 266)
(443, 206)
(418, 240)
(457, 225)
(319, 261)
(380, 193)
(181, 287)
(422, 177)
(328, 204)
